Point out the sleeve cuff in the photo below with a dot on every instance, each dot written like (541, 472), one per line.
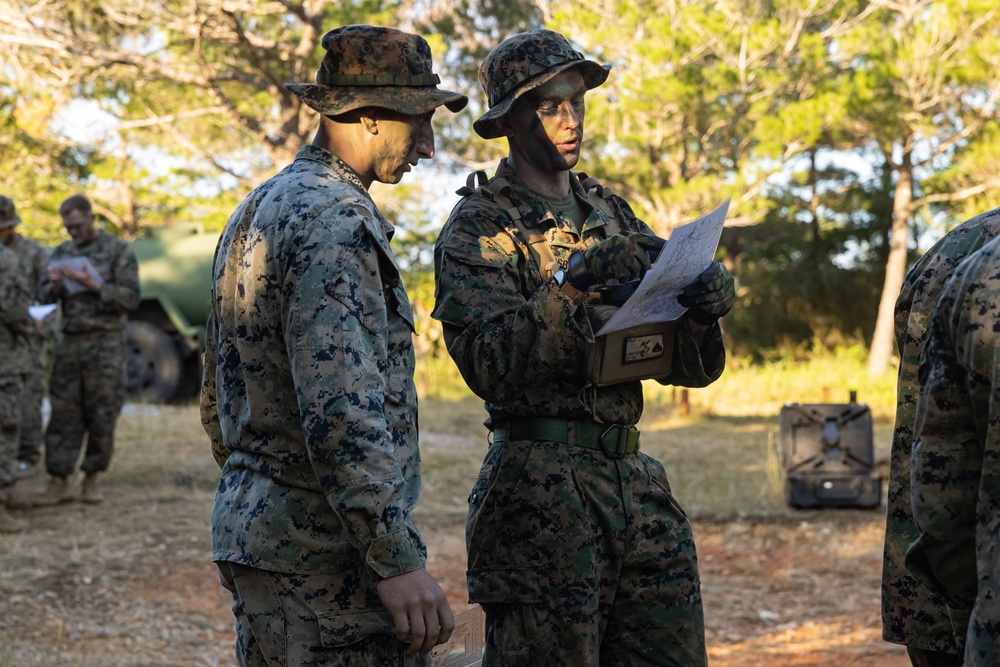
(959, 624)
(393, 554)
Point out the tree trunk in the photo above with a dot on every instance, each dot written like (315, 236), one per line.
(895, 267)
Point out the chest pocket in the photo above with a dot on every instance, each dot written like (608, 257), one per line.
(536, 241)
(397, 301)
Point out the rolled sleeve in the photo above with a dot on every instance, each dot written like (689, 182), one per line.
(395, 553)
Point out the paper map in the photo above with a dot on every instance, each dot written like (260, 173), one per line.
(77, 264)
(688, 252)
(465, 646)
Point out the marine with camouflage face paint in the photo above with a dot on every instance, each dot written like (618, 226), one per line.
(308, 392)
(955, 467)
(34, 265)
(15, 327)
(578, 552)
(913, 614)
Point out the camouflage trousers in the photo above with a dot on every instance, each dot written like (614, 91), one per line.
(30, 448)
(580, 560)
(87, 390)
(11, 388)
(311, 620)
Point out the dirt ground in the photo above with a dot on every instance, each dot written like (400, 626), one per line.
(129, 582)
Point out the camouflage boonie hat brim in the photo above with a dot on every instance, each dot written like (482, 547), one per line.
(8, 213)
(524, 62)
(368, 66)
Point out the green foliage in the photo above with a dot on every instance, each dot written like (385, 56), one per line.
(704, 104)
(791, 292)
(705, 101)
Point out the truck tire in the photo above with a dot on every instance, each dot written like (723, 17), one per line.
(153, 363)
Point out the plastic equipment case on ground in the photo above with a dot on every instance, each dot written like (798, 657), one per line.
(828, 455)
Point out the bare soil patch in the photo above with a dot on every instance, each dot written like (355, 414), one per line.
(129, 582)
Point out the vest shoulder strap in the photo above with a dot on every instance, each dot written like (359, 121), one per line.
(498, 190)
(598, 195)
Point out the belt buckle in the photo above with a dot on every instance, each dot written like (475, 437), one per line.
(619, 444)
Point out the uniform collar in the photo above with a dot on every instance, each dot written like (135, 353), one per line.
(325, 157)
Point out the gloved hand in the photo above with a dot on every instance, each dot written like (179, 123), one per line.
(621, 257)
(599, 315)
(710, 296)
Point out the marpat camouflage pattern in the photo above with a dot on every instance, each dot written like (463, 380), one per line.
(912, 614)
(87, 387)
(308, 392)
(577, 558)
(34, 264)
(955, 467)
(15, 326)
(107, 310)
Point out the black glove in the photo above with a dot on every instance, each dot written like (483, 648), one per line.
(710, 296)
(599, 315)
(622, 257)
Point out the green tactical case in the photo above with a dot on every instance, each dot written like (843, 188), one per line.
(639, 353)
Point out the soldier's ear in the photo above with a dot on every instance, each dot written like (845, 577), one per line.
(369, 120)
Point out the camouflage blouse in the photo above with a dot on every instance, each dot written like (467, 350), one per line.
(912, 613)
(518, 340)
(86, 312)
(15, 297)
(955, 472)
(308, 391)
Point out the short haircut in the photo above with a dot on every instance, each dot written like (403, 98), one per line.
(75, 203)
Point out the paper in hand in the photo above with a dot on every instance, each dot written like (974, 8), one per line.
(689, 251)
(78, 265)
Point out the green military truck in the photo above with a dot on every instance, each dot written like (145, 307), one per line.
(166, 333)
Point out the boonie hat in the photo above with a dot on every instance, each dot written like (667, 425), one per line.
(523, 62)
(8, 214)
(369, 66)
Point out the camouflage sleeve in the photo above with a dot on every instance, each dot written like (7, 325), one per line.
(14, 298)
(956, 421)
(122, 291)
(501, 339)
(40, 271)
(47, 292)
(699, 355)
(209, 401)
(336, 325)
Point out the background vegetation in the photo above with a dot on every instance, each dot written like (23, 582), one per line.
(850, 133)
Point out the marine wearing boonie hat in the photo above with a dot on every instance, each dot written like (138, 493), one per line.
(8, 213)
(370, 66)
(523, 62)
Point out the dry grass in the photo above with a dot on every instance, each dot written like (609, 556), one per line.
(129, 582)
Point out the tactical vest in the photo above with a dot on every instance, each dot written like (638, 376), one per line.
(498, 191)
(639, 353)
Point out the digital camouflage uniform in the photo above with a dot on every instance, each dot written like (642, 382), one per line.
(310, 403)
(912, 613)
(34, 264)
(308, 392)
(579, 559)
(955, 467)
(87, 387)
(15, 325)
